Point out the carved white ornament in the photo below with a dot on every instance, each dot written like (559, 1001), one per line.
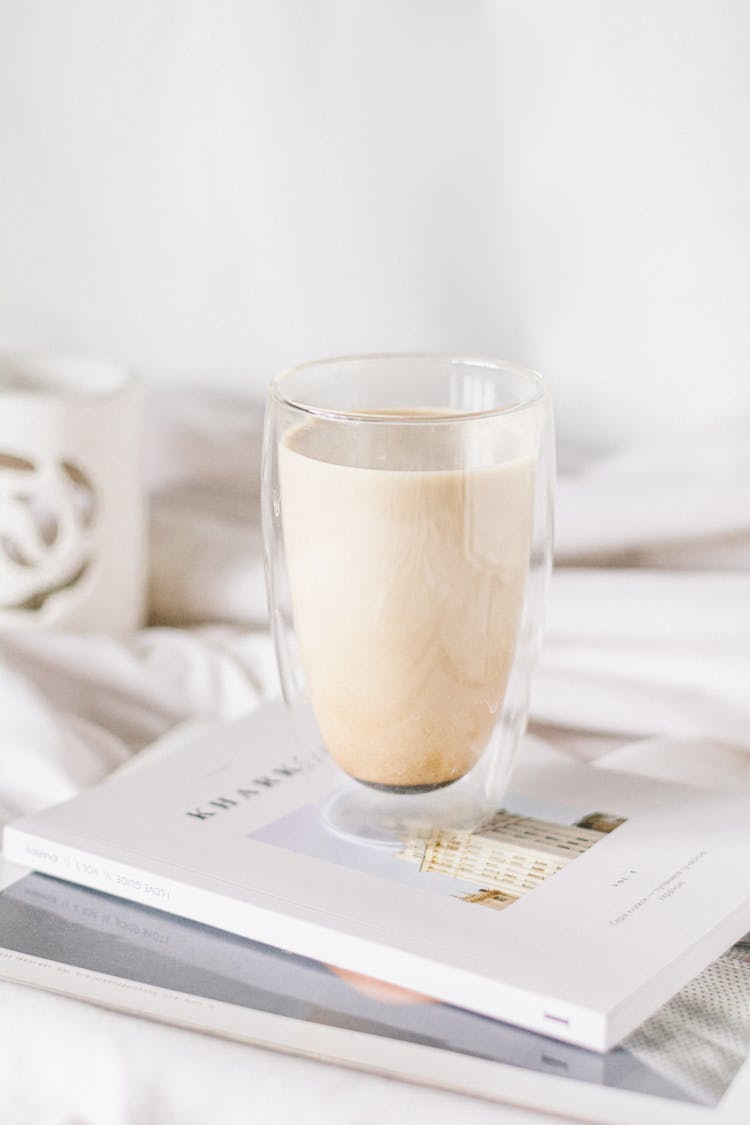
(47, 511)
(72, 514)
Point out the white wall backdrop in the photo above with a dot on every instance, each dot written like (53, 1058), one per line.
(215, 190)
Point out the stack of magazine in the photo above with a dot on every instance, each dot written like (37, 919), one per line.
(584, 950)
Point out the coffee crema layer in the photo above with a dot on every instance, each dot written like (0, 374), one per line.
(407, 583)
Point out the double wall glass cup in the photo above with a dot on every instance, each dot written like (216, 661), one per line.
(407, 531)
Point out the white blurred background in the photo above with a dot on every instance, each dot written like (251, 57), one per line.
(214, 191)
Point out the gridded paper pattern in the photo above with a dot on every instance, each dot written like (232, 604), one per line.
(699, 1039)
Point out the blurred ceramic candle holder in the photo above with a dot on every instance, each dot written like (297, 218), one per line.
(407, 527)
(72, 510)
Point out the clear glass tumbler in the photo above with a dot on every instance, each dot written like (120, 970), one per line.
(407, 523)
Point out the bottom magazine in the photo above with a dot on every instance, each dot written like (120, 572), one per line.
(688, 1062)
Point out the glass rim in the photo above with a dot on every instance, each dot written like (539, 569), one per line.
(535, 380)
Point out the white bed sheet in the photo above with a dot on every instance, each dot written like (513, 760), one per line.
(645, 667)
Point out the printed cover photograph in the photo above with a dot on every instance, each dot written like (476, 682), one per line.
(689, 1051)
(524, 844)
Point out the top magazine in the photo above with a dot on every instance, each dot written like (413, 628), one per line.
(588, 901)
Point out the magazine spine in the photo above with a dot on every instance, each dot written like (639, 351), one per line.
(87, 869)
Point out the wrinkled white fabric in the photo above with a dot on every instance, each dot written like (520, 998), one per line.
(641, 652)
(678, 501)
(644, 668)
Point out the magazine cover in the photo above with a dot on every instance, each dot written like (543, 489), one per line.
(106, 950)
(589, 900)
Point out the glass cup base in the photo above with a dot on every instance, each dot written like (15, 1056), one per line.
(390, 819)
